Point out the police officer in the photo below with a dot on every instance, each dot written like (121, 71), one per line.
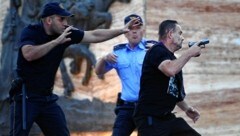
(41, 48)
(127, 60)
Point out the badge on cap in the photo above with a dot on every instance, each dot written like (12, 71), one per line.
(61, 6)
(133, 18)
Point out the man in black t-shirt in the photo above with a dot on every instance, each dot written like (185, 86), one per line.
(41, 48)
(161, 86)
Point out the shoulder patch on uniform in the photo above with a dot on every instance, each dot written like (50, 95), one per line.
(119, 46)
(150, 43)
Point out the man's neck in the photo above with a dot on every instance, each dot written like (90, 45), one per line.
(46, 29)
(168, 45)
(133, 45)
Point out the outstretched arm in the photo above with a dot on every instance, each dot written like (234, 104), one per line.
(101, 35)
(172, 67)
(190, 111)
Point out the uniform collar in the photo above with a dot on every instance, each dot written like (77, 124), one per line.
(141, 45)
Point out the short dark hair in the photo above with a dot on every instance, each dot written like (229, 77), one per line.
(165, 27)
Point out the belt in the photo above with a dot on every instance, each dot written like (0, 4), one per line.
(122, 102)
(167, 116)
(164, 117)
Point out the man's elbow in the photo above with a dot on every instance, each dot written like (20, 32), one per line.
(170, 73)
(91, 37)
(29, 57)
(27, 53)
(98, 72)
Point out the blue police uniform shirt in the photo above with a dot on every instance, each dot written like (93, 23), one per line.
(40, 74)
(129, 67)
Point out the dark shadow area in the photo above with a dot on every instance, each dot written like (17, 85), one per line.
(81, 115)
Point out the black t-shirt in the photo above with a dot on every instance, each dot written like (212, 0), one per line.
(158, 93)
(40, 74)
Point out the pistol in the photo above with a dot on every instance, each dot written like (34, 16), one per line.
(202, 42)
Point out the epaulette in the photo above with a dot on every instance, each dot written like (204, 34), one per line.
(152, 41)
(119, 46)
(149, 43)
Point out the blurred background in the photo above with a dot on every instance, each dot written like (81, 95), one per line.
(212, 81)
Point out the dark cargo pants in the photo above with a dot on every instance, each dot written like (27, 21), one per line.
(40, 109)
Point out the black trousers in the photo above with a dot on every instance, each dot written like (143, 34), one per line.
(124, 123)
(167, 125)
(40, 109)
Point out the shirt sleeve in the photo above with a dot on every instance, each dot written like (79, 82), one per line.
(157, 55)
(28, 37)
(108, 66)
(76, 36)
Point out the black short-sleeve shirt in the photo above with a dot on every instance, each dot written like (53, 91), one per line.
(158, 93)
(40, 74)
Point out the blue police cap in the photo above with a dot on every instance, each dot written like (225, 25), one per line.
(132, 16)
(54, 8)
